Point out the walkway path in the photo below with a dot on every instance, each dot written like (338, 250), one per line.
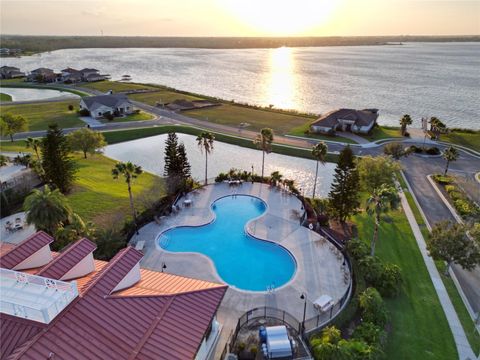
(465, 352)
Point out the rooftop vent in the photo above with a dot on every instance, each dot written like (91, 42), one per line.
(34, 297)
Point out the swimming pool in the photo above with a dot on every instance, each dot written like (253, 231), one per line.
(241, 260)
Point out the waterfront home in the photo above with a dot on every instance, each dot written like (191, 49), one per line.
(10, 72)
(43, 75)
(68, 305)
(71, 75)
(356, 121)
(117, 104)
(90, 75)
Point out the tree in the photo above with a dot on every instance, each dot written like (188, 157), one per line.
(275, 178)
(12, 124)
(74, 229)
(87, 141)
(47, 210)
(395, 149)
(450, 154)
(437, 126)
(205, 143)
(319, 152)
(377, 171)
(58, 166)
(171, 147)
(382, 200)
(35, 144)
(343, 196)
(264, 142)
(450, 243)
(404, 121)
(130, 172)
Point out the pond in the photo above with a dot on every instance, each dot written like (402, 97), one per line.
(27, 94)
(149, 153)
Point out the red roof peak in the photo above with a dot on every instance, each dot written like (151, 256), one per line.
(108, 278)
(25, 249)
(68, 258)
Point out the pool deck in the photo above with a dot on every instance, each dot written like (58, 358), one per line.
(319, 267)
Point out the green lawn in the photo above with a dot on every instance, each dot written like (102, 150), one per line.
(14, 146)
(97, 197)
(134, 117)
(116, 86)
(162, 96)
(40, 115)
(302, 129)
(419, 329)
(471, 140)
(234, 115)
(383, 132)
(5, 97)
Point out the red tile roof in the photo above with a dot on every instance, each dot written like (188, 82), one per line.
(68, 258)
(25, 249)
(150, 320)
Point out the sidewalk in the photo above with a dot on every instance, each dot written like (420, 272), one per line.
(464, 350)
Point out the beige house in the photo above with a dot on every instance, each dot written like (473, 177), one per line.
(356, 121)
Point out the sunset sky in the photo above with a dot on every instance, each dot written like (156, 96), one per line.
(240, 17)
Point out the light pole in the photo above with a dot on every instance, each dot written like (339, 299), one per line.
(304, 297)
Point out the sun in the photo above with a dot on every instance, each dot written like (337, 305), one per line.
(281, 17)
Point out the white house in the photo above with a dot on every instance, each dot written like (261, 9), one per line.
(356, 121)
(99, 105)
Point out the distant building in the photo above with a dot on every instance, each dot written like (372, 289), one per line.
(70, 75)
(356, 121)
(90, 75)
(68, 305)
(10, 72)
(117, 104)
(44, 75)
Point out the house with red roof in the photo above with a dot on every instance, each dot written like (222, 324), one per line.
(68, 305)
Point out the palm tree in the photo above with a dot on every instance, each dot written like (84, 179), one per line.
(130, 172)
(264, 142)
(450, 154)
(437, 126)
(275, 178)
(319, 153)
(382, 200)
(47, 210)
(404, 121)
(205, 143)
(34, 143)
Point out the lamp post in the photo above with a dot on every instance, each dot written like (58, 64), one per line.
(304, 297)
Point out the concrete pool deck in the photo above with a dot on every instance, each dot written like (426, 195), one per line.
(319, 271)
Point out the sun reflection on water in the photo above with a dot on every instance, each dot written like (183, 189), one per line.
(281, 84)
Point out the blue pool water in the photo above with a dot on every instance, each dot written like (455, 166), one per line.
(241, 260)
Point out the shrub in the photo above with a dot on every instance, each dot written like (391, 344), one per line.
(390, 280)
(370, 333)
(450, 188)
(108, 115)
(433, 151)
(70, 107)
(358, 249)
(464, 207)
(406, 134)
(442, 179)
(456, 195)
(373, 308)
(3, 160)
(83, 112)
(415, 149)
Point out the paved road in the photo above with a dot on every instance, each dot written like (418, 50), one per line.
(416, 170)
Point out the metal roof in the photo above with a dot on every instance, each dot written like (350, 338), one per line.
(68, 258)
(163, 316)
(25, 249)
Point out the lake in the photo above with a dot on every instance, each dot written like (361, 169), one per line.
(149, 153)
(24, 94)
(422, 79)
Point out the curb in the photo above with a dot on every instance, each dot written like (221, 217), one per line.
(445, 201)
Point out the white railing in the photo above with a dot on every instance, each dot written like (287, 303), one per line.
(34, 297)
